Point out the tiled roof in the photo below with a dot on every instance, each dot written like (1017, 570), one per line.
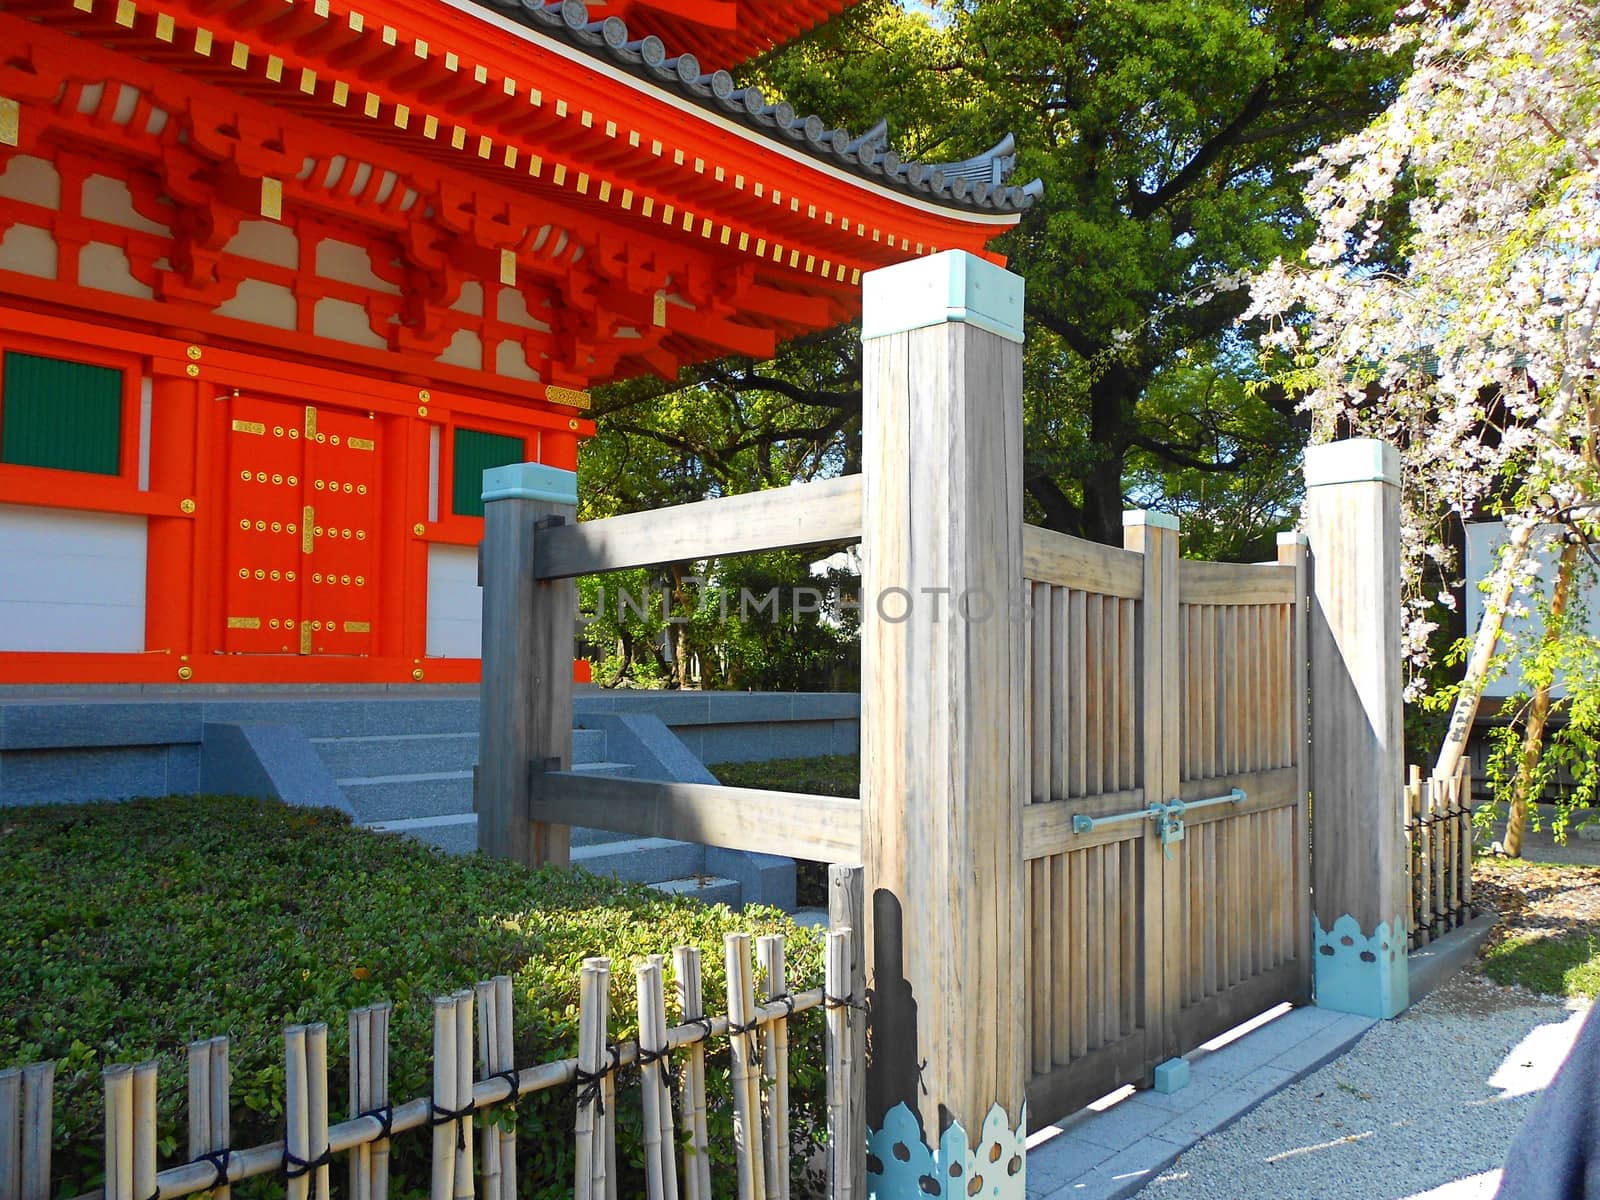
(722, 33)
(979, 184)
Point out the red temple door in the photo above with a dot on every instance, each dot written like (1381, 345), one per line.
(301, 546)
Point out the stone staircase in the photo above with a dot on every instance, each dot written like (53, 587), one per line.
(420, 785)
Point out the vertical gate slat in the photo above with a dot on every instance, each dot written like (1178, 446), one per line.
(1093, 697)
(1095, 956)
(1110, 689)
(1041, 964)
(1078, 691)
(1208, 885)
(1127, 714)
(1060, 1014)
(1038, 695)
(1130, 936)
(1114, 916)
(1060, 667)
(1078, 927)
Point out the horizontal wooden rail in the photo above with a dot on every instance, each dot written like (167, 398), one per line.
(1234, 583)
(810, 514)
(1063, 561)
(821, 828)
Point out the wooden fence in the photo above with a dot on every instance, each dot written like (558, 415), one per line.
(469, 1163)
(1439, 838)
(1164, 830)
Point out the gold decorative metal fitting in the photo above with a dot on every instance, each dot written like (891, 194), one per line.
(573, 425)
(185, 674)
(417, 674)
(192, 371)
(419, 529)
(186, 506)
(194, 353)
(424, 395)
(422, 410)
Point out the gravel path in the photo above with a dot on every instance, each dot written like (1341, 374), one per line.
(1425, 1105)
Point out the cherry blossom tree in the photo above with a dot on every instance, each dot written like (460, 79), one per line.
(1479, 357)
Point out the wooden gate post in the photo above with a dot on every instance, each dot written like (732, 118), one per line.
(525, 722)
(942, 743)
(1358, 852)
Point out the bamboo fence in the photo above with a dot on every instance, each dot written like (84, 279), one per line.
(1439, 838)
(471, 1162)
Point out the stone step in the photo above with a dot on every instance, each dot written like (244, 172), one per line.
(390, 754)
(385, 798)
(708, 889)
(643, 860)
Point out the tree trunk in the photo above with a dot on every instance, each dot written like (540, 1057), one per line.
(1483, 646)
(1109, 402)
(1538, 711)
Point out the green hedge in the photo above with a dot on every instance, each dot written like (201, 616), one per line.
(129, 930)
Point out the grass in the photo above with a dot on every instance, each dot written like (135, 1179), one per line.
(822, 775)
(129, 930)
(1565, 965)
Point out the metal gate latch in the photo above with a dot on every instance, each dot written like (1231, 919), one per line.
(1168, 817)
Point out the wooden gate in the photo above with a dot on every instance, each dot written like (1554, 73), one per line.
(1165, 827)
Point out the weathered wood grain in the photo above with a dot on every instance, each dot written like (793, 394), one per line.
(810, 514)
(821, 828)
(1201, 582)
(1051, 557)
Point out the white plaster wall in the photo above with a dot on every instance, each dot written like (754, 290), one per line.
(71, 581)
(264, 303)
(455, 603)
(1484, 539)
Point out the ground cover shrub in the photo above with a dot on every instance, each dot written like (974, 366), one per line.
(128, 930)
(822, 775)
(1566, 965)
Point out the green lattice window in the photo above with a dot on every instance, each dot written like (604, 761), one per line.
(60, 414)
(475, 453)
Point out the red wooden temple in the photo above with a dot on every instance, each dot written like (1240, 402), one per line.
(279, 279)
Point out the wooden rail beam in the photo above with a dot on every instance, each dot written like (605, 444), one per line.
(811, 514)
(821, 828)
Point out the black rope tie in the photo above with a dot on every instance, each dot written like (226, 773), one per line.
(385, 1118)
(663, 1057)
(513, 1078)
(787, 1001)
(219, 1160)
(842, 1002)
(749, 1026)
(444, 1116)
(704, 1023)
(589, 1090)
(296, 1168)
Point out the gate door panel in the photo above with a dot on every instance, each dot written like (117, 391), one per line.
(1243, 864)
(301, 534)
(1092, 901)
(262, 596)
(1164, 833)
(342, 510)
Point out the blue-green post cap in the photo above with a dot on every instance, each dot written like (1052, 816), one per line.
(1354, 460)
(530, 481)
(950, 286)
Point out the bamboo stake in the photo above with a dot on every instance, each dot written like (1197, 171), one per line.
(144, 1131)
(442, 1185)
(594, 1155)
(505, 1047)
(463, 1095)
(647, 982)
(746, 1072)
(360, 1158)
(296, 1118)
(669, 1136)
(836, 986)
(691, 1007)
(775, 1068)
(208, 1101)
(119, 1132)
(10, 1133)
(317, 1104)
(379, 1097)
(27, 1114)
(608, 1083)
(488, 1064)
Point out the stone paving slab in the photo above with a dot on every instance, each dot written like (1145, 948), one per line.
(1114, 1148)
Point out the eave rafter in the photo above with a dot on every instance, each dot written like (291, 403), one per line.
(224, 157)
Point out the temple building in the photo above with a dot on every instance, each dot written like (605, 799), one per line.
(279, 279)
